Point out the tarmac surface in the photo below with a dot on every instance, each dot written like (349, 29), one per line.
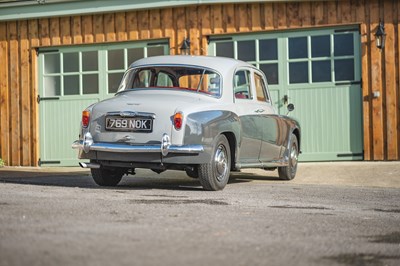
(333, 214)
(360, 174)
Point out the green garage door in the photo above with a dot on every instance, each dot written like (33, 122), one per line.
(317, 70)
(72, 78)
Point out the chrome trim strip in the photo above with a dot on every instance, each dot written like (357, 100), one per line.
(111, 147)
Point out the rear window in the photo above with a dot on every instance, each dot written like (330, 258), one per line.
(198, 80)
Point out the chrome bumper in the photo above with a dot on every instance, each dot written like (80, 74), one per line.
(165, 147)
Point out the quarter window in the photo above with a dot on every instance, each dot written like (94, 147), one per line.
(242, 85)
(260, 88)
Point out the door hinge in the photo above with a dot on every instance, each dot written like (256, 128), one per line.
(40, 162)
(39, 99)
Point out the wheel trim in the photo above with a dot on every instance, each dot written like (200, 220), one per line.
(221, 163)
(293, 158)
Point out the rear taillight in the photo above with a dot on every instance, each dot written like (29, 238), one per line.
(85, 118)
(178, 120)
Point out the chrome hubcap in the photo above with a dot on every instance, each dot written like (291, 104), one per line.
(221, 163)
(293, 158)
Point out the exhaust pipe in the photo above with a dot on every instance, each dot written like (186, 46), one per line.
(89, 165)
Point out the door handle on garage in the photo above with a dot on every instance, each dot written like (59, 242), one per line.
(259, 111)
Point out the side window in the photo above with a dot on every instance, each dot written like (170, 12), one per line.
(261, 89)
(242, 84)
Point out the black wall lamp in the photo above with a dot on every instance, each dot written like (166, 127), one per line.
(380, 36)
(185, 47)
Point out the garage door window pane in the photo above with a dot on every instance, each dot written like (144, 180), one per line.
(298, 47)
(89, 61)
(52, 86)
(271, 72)
(71, 85)
(224, 49)
(298, 72)
(268, 49)
(90, 84)
(115, 59)
(113, 82)
(320, 46)
(154, 51)
(51, 63)
(71, 62)
(344, 69)
(321, 71)
(246, 50)
(344, 44)
(135, 54)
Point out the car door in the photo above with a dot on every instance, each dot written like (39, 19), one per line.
(267, 121)
(250, 143)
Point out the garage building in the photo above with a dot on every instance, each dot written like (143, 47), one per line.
(337, 61)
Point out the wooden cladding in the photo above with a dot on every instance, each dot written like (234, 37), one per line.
(19, 127)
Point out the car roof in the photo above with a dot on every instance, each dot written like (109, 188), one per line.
(220, 64)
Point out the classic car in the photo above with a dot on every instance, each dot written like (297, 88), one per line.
(204, 115)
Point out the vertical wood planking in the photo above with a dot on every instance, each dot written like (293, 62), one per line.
(109, 28)
(87, 29)
(376, 86)
(304, 14)
(144, 24)
(65, 30)
(255, 17)
(76, 30)
(205, 25)
(34, 42)
(44, 32)
(293, 18)
(155, 23)
(167, 28)
(317, 15)
(268, 16)
(98, 28)
(55, 31)
(194, 33)
(229, 18)
(4, 96)
(390, 83)
(132, 25)
(25, 130)
(332, 12)
(280, 18)
(181, 34)
(15, 94)
(216, 19)
(242, 18)
(120, 26)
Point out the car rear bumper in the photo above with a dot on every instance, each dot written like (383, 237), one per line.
(87, 145)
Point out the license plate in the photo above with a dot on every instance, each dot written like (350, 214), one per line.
(129, 124)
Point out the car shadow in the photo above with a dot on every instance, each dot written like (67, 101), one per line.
(144, 179)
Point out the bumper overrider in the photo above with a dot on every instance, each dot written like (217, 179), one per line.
(87, 144)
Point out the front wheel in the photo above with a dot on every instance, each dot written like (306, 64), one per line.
(106, 177)
(215, 175)
(289, 172)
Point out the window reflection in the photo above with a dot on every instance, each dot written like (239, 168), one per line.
(343, 44)
(298, 72)
(224, 49)
(246, 50)
(298, 47)
(115, 59)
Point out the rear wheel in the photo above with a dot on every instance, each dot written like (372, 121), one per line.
(106, 177)
(215, 175)
(289, 172)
